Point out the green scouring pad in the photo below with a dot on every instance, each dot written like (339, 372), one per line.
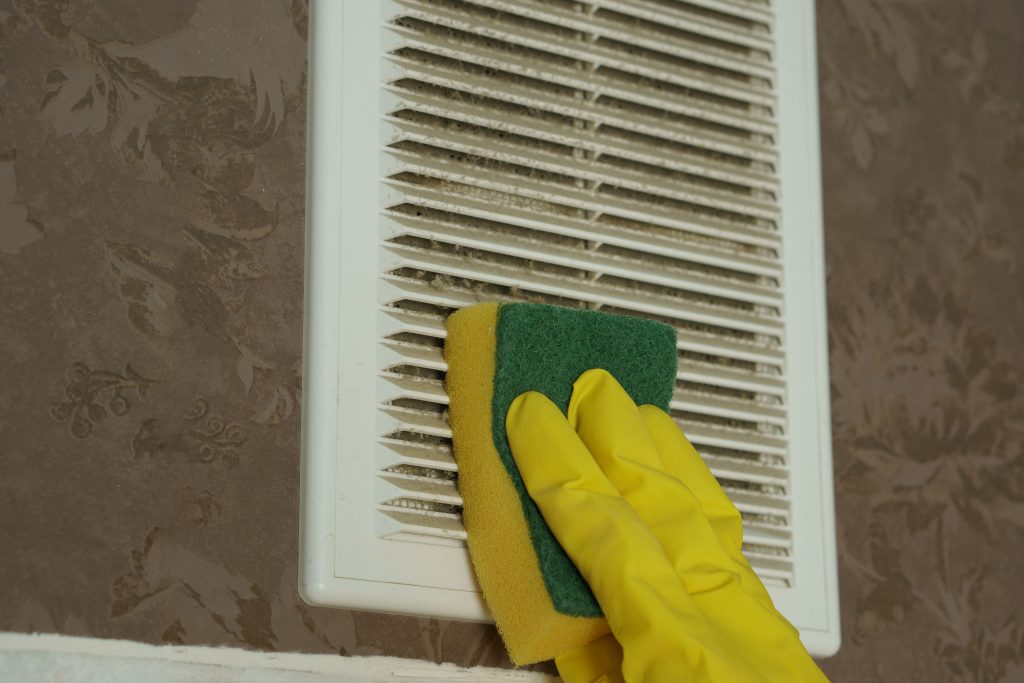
(495, 352)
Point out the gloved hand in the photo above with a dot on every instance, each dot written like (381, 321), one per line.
(656, 538)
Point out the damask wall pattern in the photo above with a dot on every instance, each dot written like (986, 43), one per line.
(151, 255)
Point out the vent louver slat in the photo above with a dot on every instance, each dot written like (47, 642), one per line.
(557, 193)
(616, 155)
(627, 106)
(636, 135)
(644, 176)
(737, 30)
(397, 321)
(646, 238)
(486, 268)
(628, 35)
(639, 267)
(629, 46)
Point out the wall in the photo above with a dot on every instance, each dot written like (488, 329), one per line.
(924, 162)
(151, 199)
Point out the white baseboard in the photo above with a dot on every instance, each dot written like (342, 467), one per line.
(47, 657)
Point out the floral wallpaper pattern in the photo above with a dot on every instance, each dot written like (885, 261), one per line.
(151, 253)
(923, 153)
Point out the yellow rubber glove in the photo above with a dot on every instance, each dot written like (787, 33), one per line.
(656, 538)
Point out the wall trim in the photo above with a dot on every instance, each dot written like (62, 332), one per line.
(73, 659)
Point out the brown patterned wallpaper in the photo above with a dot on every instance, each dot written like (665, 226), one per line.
(151, 236)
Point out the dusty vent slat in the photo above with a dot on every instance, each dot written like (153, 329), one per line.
(692, 402)
(730, 377)
(580, 288)
(650, 237)
(732, 188)
(738, 439)
(485, 167)
(397, 421)
(434, 292)
(546, 28)
(626, 32)
(398, 486)
(738, 30)
(647, 113)
(763, 380)
(724, 220)
(754, 10)
(662, 271)
(430, 358)
(494, 143)
(418, 526)
(607, 155)
(501, 58)
(647, 140)
(401, 452)
(395, 321)
(392, 321)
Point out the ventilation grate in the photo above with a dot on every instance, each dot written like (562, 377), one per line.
(609, 155)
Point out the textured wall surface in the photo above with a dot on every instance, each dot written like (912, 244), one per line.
(151, 235)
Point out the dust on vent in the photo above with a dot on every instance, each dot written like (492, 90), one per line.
(620, 155)
(611, 156)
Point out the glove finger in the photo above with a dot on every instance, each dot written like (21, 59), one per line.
(594, 524)
(599, 661)
(614, 432)
(717, 578)
(663, 633)
(742, 609)
(683, 462)
(611, 426)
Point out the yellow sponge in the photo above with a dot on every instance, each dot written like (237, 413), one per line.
(541, 604)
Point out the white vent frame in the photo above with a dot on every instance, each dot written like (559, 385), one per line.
(340, 563)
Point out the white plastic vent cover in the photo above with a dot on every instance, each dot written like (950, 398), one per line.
(655, 158)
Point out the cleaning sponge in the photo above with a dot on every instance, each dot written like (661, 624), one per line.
(495, 352)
